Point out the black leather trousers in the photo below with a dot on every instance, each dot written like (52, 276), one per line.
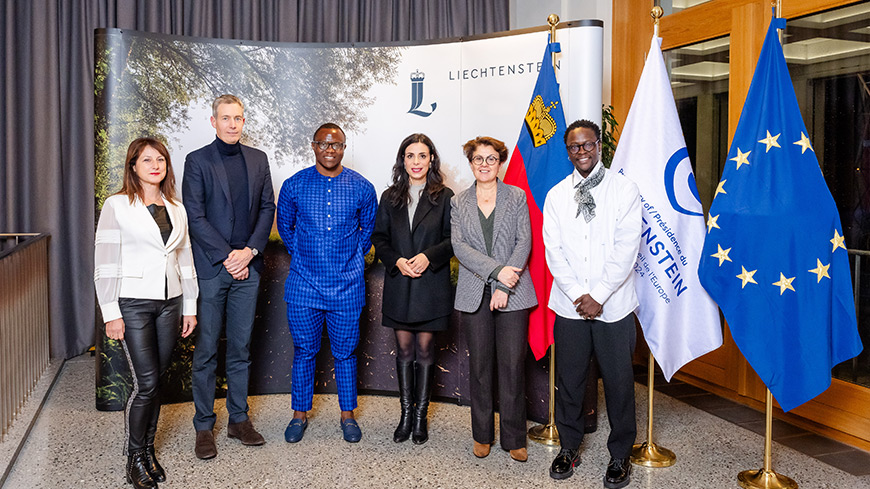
(151, 329)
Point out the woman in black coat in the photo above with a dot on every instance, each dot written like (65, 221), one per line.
(412, 239)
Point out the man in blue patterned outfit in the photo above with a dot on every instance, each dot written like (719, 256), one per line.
(326, 214)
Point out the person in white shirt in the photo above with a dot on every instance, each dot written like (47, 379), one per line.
(592, 226)
(147, 290)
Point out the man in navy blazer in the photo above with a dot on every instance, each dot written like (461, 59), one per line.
(227, 191)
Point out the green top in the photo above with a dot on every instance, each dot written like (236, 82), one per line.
(487, 226)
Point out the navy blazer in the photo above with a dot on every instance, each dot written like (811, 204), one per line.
(206, 196)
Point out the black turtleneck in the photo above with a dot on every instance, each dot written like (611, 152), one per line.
(237, 175)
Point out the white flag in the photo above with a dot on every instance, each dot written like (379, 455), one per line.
(680, 322)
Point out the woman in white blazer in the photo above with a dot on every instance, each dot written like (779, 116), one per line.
(147, 289)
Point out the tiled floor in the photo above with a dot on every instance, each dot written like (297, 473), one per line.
(73, 445)
(839, 455)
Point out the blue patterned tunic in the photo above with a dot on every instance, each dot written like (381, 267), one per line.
(326, 224)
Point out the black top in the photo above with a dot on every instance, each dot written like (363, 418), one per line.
(161, 217)
(237, 175)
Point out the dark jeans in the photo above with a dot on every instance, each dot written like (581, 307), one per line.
(612, 344)
(151, 328)
(223, 298)
(497, 342)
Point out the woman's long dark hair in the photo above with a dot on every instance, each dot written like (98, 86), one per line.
(399, 191)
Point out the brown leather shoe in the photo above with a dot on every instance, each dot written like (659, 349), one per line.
(520, 454)
(481, 450)
(245, 432)
(205, 446)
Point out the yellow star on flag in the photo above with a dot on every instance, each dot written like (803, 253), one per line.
(711, 223)
(720, 189)
(722, 255)
(746, 277)
(770, 141)
(804, 143)
(820, 270)
(784, 283)
(740, 159)
(838, 241)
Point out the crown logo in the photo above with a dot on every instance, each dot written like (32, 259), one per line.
(417, 76)
(539, 122)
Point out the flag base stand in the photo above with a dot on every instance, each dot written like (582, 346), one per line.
(765, 479)
(546, 434)
(648, 454)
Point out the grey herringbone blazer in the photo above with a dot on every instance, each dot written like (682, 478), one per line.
(511, 244)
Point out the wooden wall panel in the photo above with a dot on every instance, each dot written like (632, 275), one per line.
(699, 23)
(798, 8)
(748, 26)
(632, 32)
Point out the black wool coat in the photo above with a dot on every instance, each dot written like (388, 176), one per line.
(430, 296)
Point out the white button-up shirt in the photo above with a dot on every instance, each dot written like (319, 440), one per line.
(595, 258)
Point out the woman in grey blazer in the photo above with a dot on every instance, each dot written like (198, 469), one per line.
(492, 238)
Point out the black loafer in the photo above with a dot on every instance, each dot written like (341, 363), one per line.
(618, 473)
(563, 466)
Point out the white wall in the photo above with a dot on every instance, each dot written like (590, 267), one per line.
(532, 13)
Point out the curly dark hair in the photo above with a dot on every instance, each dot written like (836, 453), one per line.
(399, 192)
(582, 123)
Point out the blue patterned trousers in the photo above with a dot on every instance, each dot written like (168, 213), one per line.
(306, 327)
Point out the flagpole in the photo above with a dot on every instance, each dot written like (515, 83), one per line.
(548, 434)
(648, 454)
(766, 478)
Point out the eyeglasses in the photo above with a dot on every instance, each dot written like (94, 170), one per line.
(490, 160)
(587, 146)
(336, 146)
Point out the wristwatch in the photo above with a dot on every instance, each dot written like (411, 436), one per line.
(254, 252)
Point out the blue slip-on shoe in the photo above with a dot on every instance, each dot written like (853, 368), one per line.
(350, 430)
(295, 430)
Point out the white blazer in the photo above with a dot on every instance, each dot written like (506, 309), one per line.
(130, 259)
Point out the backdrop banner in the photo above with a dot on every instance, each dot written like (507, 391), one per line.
(454, 90)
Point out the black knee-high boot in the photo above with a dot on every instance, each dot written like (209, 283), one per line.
(405, 374)
(422, 393)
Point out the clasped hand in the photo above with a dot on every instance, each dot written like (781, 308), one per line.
(587, 307)
(509, 275)
(414, 267)
(237, 263)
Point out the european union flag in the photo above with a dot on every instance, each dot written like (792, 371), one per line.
(774, 258)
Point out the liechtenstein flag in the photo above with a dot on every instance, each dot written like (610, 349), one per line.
(539, 162)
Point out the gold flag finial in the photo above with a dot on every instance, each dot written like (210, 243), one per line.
(553, 19)
(656, 13)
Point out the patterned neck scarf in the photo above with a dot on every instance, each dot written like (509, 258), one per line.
(583, 196)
